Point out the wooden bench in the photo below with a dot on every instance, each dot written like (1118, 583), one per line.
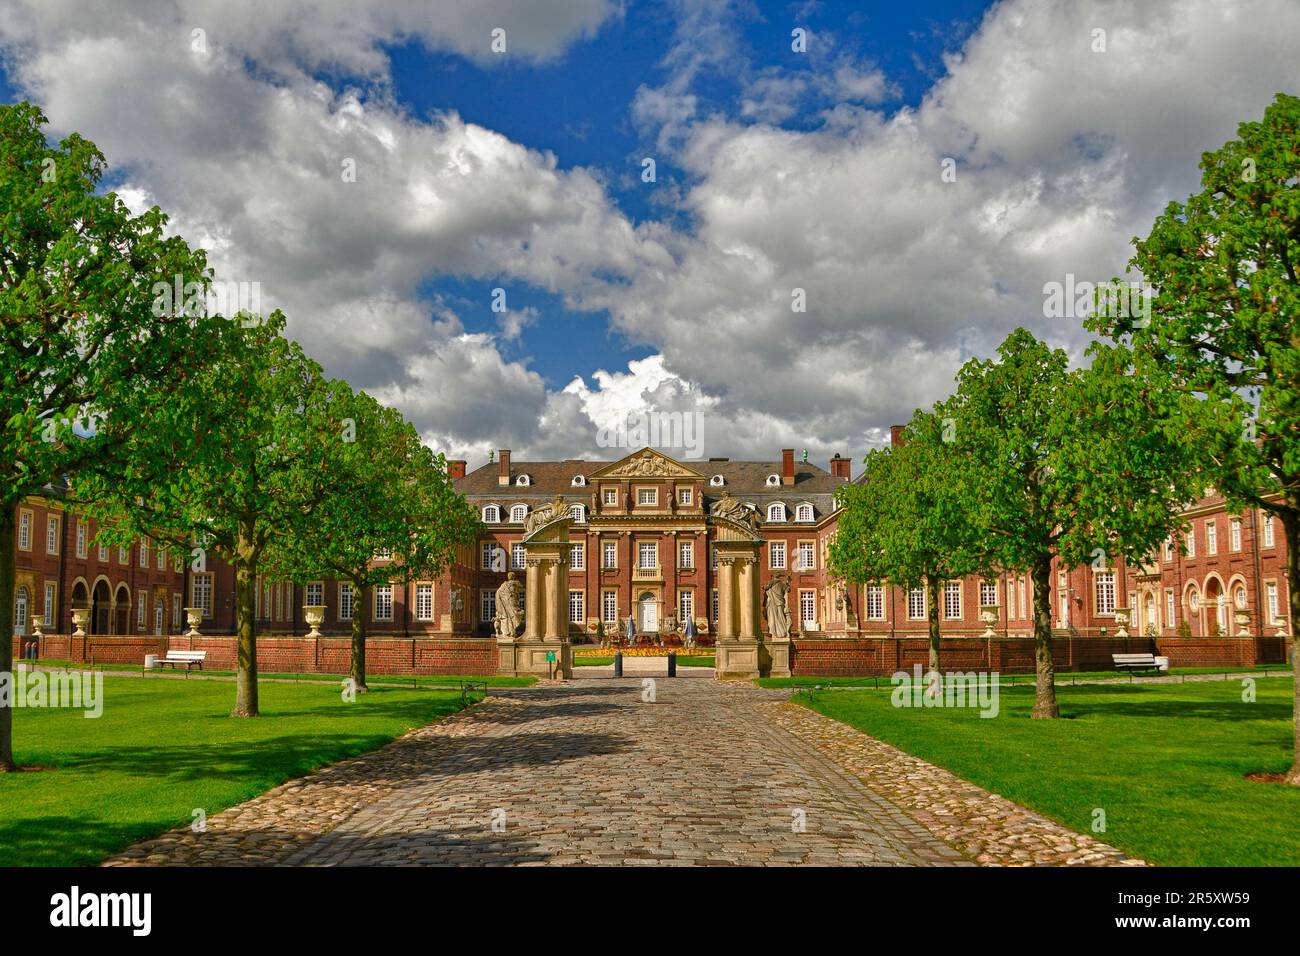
(188, 658)
(1138, 662)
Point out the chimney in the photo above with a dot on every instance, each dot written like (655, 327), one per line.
(896, 435)
(503, 468)
(456, 468)
(841, 467)
(787, 466)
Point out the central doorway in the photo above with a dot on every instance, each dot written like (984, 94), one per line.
(648, 616)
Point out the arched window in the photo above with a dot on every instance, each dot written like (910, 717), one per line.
(804, 513)
(518, 513)
(578, 513)
(776, 511)
(491, 515)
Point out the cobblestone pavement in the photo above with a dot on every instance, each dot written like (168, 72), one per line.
(587, 772)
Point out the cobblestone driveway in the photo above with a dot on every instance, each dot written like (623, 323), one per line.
(587, 772)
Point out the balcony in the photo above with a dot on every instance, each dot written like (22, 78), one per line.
(647, 574)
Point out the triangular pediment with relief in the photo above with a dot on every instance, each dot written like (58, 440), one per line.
(646, 463)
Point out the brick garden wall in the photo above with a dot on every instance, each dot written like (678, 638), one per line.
(326, 655)
(866, 657)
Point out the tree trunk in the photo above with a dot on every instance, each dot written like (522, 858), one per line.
(246, 639)
(358, 670)
(1291, 526)
(1045, 705)
(8, 527)
(932, 585)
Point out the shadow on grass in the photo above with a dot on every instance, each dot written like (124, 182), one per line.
(66, 841)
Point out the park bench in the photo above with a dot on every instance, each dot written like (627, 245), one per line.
(468, 687)
(1139, 662)
(188, 658)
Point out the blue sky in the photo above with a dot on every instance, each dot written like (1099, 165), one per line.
(779, 175)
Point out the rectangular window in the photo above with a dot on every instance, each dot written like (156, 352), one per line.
(713, 610)
(609, 607)
(578, 557)
(1191, 541)
(988, 592)
(776, 555)
(123, 555)
(685, 554)
(1104, 583)
(1169, 549)
(142, 600)
(577, 614)
(1211, 537)
(51, 534)
(611, 554)
(1234, 534)
(685, 496)
(487, 605)
(916, 604)
(952, 600)
(345, 601)
(24, 531)
(1270, 595)
(1169, 609)
(808, 608)
(176, 611)
(518, 557)
(1268, 531)
(875, 602)
(611, 496)
(82, 534)
(648, 555)
(1064, 610)
(685, 606)
(162, 559)
(647, 496)
(177, 565)
(486, 552)
(383, 596)
(144, 552)
(51, 592)
(201, 593)
(424, 602)
(314, 595)
(807, 556)
(103, 552)
(713, 561)
(1024, 605)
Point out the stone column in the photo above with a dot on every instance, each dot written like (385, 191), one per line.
(726, 598)
(748, 581)
(533, 603)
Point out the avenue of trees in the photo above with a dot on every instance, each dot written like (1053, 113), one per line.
(201, 432)
(1200, 391)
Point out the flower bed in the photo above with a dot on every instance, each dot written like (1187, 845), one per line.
(655, 651)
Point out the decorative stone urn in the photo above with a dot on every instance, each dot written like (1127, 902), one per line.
(989, 618)
(1241, 617)
(80, 618)
(194, 617)
(38, 622)
(314, 615)
(1122, 618)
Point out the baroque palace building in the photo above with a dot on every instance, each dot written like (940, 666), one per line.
(642, 545)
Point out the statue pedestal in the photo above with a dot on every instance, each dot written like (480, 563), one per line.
(522, 657)
(737, 659)
(774, 657)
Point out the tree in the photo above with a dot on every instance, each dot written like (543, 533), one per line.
(242, 467)
(1225, 325)
(905, 521)
(391, 516)
(1084, 465)
(84, 349)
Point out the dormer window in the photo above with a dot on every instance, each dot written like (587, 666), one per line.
(518, 513)
(579, 481)
(774, 481)
(776, 511)
(716, 481)
(578, 513)
(523, 481)
(492, 515)
(804, 513)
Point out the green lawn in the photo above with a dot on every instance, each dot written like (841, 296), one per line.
(164, 748)
(1167, 762)
(1062, 677)
(421, 680)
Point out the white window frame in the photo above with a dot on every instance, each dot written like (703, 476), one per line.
(952, 601)
(916, 604)
(518, 556)
(647, 497)
(804, 513)
(807, 606)
(318, 589)
(776, 556)
(578, 513)
(24, 531)
(1211, 537)
(685, 605)
(1234, 535)
(686, 554)
(577, 607)
(578, 556)
(609, 606)
(53, 525)
(201, 587)
(382, 597)
(875, 602)
(642, 549)
(347, 601)
(491, 514)
(776, 513)
(686, 496)
(487, 605)
(1105, 591)
(518, 514)
(609, 554)
(807, 552)
(424, 601)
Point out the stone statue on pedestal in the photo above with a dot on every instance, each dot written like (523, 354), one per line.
(507, 616)
(777, 607)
